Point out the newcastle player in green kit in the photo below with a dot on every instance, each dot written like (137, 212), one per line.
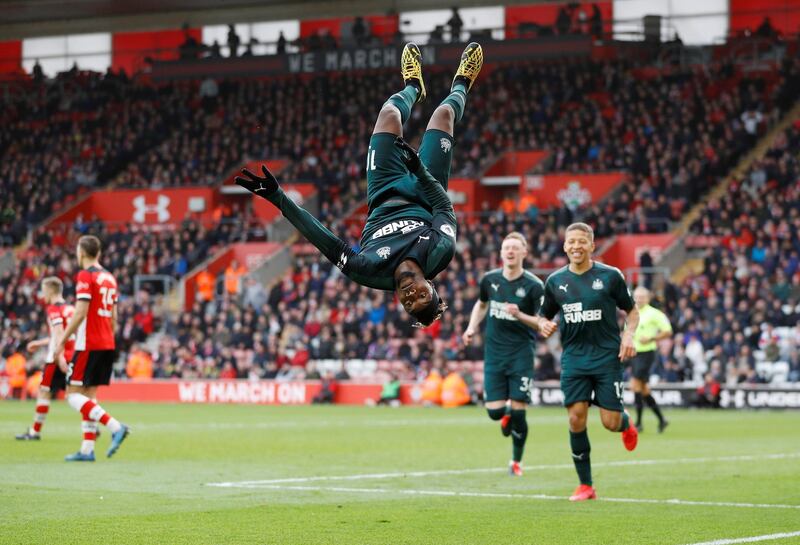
(410, 234)
(511, 297)
(587, 294)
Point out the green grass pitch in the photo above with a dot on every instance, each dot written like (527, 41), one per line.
(355, 475)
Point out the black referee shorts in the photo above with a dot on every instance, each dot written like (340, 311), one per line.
(642, 363)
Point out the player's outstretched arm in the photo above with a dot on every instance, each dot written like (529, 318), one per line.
(332, 247)
(475, 319)
(33, 346)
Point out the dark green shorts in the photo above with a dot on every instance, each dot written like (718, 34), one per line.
(387, 175)
(508, 381)
(603, 388)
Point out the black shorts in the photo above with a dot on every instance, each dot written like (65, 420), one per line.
(91, 368)
(641, 365)
(53, 378)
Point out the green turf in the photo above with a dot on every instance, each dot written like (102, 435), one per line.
(155, 490)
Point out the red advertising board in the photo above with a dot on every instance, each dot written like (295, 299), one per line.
(516, 163)
(262, 392)
(147, 207)
(626, 250)
(167, 206)
(568, 188)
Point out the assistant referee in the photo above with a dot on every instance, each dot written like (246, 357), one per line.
(653, 326)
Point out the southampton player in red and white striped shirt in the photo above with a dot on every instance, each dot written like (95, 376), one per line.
(94, 323)
(55, 368)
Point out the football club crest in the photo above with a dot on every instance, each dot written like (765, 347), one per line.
(446, 145)
(597, 284)
(520, 292)
(448, 230)
(574, 196)
(383, 252)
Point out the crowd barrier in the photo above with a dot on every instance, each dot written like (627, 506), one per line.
(271, 392)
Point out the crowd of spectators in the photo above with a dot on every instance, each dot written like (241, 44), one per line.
(71, 135)
(677, 134)
(743, 309)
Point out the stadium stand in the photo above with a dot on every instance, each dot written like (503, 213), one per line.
(677, 133)
(63, 138)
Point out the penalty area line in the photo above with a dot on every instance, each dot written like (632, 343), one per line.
(753, 539)
(502, 495)
(443, 472)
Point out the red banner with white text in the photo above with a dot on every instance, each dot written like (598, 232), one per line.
(261, 392)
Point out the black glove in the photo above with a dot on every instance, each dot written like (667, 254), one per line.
(263, 186)
(409, 154)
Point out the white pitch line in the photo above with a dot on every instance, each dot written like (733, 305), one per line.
(754, 539)
(462, 494)
(435, 472)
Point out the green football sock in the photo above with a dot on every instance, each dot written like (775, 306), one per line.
(626, 422)
(519, 433)
(404, 101)
(579, 442)
(457, 99)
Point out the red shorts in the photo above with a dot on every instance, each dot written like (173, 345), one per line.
(53, 378)
(91, 368)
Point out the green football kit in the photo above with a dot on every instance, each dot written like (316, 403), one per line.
(410, 215)
(590, 336)
(508, 343)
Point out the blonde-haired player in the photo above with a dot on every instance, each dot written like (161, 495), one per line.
(511, 297)
(55, 368)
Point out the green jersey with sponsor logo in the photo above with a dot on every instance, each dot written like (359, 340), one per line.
(397, 231)
(422, 229)
(507, 339)
(588, 303)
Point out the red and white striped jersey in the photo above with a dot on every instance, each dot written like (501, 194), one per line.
(59, 314)
(99, 287)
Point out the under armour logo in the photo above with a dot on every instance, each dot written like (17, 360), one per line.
(563, 287)
(161, 208)
(495, 287)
